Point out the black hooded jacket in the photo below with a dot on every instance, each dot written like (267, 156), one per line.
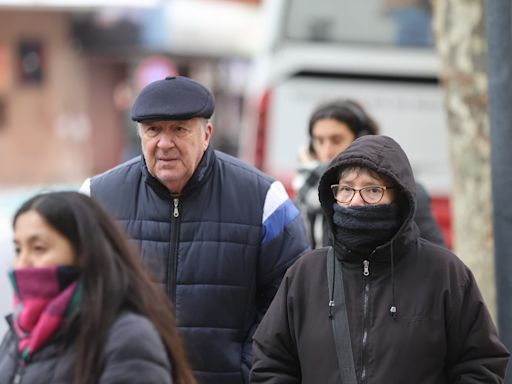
(441, 333)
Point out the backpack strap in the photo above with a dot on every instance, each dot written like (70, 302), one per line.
(339, 319)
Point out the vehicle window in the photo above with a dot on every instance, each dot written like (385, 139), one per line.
(382, 22)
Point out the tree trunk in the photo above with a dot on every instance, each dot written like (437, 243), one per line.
(460, 40)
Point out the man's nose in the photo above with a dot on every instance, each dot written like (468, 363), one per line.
(166, 141)
(332, 150)
(327, 152)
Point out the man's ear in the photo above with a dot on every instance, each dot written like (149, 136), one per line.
(208, 130)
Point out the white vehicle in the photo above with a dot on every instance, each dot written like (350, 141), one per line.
(333, 49)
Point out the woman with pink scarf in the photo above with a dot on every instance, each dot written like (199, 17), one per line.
(84, 309)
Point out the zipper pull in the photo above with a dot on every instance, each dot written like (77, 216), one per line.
(366, 267)
(175, 212)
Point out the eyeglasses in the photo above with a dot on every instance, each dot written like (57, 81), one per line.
(370, 195)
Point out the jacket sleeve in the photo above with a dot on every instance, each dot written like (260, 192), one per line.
(305, 184)
(135, 353)
(475, 353)
(275, 353)
(429, 229)
(9, 359)
(284, 240)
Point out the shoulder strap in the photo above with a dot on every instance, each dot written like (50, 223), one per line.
(340, 319)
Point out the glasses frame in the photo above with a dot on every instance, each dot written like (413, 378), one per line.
(354, 190)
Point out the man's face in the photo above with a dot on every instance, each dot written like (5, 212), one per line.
(330, 137)
(173, 148)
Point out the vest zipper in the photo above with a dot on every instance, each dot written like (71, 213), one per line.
(366, 267)
(19, 373)
(176, 212)
(17, 379)
(173, 257)
(366, 299)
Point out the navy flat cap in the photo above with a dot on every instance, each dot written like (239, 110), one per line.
(174, 98)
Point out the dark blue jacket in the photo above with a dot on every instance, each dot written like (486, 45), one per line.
(219, 250)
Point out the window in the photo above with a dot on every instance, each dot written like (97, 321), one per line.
(382, 22)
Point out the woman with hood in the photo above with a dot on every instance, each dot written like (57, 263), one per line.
(382, 305)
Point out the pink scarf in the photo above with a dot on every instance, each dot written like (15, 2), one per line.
(43, 298)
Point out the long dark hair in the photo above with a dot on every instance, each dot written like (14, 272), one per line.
(346, 111)
(114, 279)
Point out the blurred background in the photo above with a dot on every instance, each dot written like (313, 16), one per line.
(69, 71)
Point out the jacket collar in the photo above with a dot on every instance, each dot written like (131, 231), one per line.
(402, 244)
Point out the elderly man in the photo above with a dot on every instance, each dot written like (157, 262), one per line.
(215, 233)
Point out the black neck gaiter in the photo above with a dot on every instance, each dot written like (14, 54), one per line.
(364, 228)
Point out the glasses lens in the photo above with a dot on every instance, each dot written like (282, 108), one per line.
(343, 194)
(334, 189)
(372, 195)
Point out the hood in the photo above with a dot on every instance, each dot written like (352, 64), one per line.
(383, 155)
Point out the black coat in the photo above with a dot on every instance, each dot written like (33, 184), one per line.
(442, 332)
(134, 353)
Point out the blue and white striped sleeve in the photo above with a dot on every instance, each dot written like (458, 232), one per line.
(284, 236)
(283, 240)
(278, 212)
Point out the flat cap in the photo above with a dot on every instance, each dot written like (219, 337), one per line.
(174, 98)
